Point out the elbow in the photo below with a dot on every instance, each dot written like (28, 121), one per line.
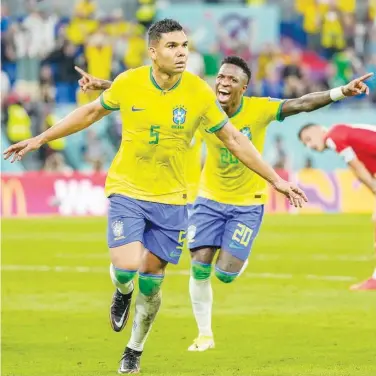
(233, 145)
(91, 115)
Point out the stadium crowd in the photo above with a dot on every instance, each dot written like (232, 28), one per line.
(39, 52)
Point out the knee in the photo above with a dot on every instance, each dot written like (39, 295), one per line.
(200, 271)
(150, 284)
(225, 277)
(122, 275)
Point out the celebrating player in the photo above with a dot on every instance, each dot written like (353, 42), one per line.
(357, 145)
(229, 211)
(160, 108)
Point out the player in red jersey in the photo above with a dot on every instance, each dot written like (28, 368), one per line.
(357, 145)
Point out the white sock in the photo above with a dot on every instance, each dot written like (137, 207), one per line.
(124, 288)
(202, 301)
(147, 308)
(243, 268)
(374, 274)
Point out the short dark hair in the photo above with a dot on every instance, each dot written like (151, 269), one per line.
(162, 27)
(304, 127)
(239, 62)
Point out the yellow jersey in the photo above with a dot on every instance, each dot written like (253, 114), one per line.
(224, 178)
(193, 166)
(158, 126)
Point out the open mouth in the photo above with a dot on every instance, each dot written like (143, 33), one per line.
(223, 95)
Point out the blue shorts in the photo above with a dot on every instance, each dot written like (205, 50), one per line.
(160, 227)
(229, 227)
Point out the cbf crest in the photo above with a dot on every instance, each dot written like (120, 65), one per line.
(179, 115)
(118, 230)
(247, 132)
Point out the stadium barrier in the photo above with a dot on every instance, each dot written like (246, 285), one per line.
(78, 194)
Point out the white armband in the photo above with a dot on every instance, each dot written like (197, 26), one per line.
(336, 94)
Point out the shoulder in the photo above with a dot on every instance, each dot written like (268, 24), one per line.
(338, 131)
(258, 103)
(133, 74)
(336, 137)
(196, 84)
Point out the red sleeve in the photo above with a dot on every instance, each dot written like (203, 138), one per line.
(337, 140)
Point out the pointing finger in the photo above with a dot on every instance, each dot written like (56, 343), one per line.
(365, 77)
(82, 72)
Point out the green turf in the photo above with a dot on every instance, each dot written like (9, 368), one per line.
(294, 321)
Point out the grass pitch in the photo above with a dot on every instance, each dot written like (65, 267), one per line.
(290, 314)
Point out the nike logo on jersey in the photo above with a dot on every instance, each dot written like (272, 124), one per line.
(135, 109)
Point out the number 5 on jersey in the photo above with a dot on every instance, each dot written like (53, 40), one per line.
(154, 134)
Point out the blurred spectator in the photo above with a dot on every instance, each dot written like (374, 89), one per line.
(312, 20)
(272, 86)
(47, 85)
(5, 21)
(347, 6)
(79, 28)
(65, 58)
(38, 54)
(34, 39)
(332, 33)
(93, 150)
(196, 63)
(146, 12)
(293, 68)
(294, 87)
(266, 56)
(278, 155)
(51, 147)
(98, 54)
(17, 120)
(135, 53)
(346, 64)
(115, 130)
(5, 85)
(56, 163)
(85, 8)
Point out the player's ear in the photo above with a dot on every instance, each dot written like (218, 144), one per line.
(245, 88)
(152, 52)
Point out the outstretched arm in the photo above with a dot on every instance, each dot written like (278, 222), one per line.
(363, 174)
(240, 146)
(313, 101)
(76, 121)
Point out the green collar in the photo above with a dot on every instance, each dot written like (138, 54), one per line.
(239, 109)
(158, 87)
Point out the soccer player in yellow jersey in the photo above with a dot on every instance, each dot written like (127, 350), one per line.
(161, 108)
(228, 212)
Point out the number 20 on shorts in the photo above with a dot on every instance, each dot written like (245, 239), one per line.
(242, 234)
